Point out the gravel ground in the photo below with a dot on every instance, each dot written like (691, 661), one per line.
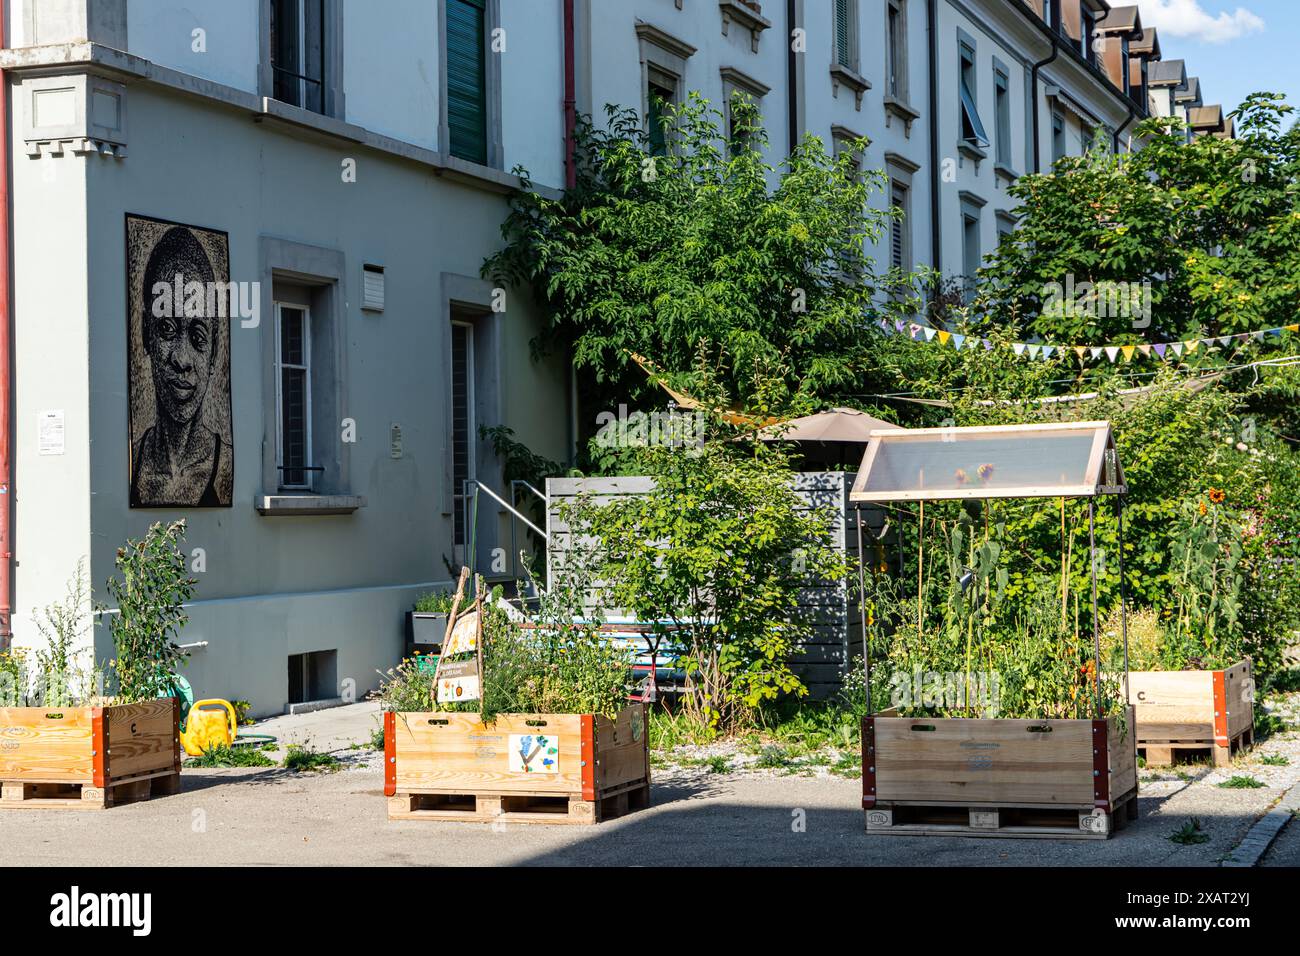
(274, 817)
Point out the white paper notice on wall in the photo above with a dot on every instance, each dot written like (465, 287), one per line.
(50, 439)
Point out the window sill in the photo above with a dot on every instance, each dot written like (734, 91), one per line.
(897, 109)
(969, 150)
(307, 504)
(1005, 172)
(842, 76)
(744, 17)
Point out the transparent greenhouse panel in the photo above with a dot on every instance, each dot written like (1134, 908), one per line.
(1022, 461)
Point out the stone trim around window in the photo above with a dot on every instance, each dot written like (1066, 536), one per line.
(323, 272)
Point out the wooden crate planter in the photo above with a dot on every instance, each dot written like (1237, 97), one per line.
(998, 777)
(1194, 710)
(88, 758)
(453, 767)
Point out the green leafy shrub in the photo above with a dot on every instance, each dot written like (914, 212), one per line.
(713, 558)
(222, 756)
(150, 594)
(302, 758)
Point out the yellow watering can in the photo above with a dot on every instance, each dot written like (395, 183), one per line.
(205, 729)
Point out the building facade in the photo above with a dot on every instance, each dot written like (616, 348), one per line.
(337, 172)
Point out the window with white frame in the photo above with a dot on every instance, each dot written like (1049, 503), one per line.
(846, 33)
(293, 395)
(298, 53)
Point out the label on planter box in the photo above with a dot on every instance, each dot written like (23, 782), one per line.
(534, 753)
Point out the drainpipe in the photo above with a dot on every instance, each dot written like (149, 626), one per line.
(570, 98)
(936, 220)
(791, 76)
(6, 358)
(1033, 90)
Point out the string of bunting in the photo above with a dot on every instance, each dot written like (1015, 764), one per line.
(1164, 351)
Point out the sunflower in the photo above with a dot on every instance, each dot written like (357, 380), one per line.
(1217, 496)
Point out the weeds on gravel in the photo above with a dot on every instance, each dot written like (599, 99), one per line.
(302, 758)
(1275, 760)
(719, 764)
(849, 765)
(772, 757)
(1190, 833)
(221, 756)
(1241, 782)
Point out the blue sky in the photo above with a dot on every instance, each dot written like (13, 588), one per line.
(1236, 48)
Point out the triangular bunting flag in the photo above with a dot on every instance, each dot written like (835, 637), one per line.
(1145, 350)
(1292, 328)
(1225, 340)
(958, 340)
(988, 346)
(1048, 350)
(1258, 336)
(1159, 349)
(944, 337)
(1277, 332)
(1191, 346)
(1128, 351)
(1081, 351)
(1111, 352)
(929, 333)
(1018, 347)
(1034, 350)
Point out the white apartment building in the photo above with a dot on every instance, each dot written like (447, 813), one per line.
(346, 166)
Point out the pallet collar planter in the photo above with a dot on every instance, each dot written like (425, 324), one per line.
(518, 768)
(996, 777)
(89, 758)
(1194, 710)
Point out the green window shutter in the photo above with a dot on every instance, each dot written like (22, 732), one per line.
(843, 51)
(467, 79)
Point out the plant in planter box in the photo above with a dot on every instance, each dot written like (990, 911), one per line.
(426, 623)
(93, 752)
(150, 593)
(552, 730)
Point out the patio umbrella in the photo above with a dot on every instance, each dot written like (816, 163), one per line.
(836, 425)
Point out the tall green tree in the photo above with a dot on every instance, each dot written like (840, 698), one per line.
(750, 282)
(1210, 226)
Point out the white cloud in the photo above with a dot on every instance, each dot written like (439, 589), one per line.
(1187, 18)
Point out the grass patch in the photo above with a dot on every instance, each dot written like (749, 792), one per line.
(670, 731)
(718, 764)
(222, 756)
(1189, 834)
(1241, 782)
(303, 759)
(1275, 760)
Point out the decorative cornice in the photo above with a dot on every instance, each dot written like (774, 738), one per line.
(665, 41)
(744, 81)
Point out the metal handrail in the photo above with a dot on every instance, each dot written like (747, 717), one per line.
(503, 503)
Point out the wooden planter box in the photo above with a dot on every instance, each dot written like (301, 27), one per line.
(1007, 778)
(1194, 710)
(452, 767)
(89, 758)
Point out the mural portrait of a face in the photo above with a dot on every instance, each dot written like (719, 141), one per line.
(179, 366)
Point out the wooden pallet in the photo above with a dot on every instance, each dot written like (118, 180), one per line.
(902, 818)
(518, 808)
(1161, 753)
(23, 795)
